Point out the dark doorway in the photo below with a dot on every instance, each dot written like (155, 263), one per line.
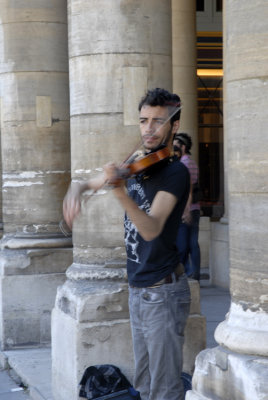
(210, 133)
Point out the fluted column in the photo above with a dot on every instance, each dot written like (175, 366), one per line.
(184, 65)
(35, 164)
(238, 367)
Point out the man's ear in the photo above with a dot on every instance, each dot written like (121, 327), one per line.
(175, 126)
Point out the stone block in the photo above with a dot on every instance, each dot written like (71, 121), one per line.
(195, 341)
(256, 297)
(195, 296)
(222, 374)
(116, 32)
(247, 153)
(87, 302)
(30, 84)
(83, 345)
(39, 46)
(135, 86)
(35, 261)
(25, 11)
(28, 285)
(40, 207)
(248, 228)
(43, 112)
(87, 72)
(27, 302)
(90, 137)
(246, 58)
(92, 228)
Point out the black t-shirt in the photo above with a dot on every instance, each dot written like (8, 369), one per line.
(150, 261)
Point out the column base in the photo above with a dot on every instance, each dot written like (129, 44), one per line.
(244, 331)
(92, 310)
(90, 326)
(221, 374)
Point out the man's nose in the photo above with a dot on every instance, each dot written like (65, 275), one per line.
(150, 127)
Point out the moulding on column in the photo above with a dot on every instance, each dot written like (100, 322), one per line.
(95, 272)
(28, 243)
(244, 331)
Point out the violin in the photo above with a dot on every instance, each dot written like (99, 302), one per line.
(147, 161)
(133, 167)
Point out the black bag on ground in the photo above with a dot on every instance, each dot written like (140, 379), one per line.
(106, 382)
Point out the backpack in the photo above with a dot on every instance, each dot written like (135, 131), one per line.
(106, 382)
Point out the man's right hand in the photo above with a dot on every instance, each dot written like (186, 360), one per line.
(72, 203)
(72, 199)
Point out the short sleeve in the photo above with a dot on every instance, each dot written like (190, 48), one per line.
(176, 180)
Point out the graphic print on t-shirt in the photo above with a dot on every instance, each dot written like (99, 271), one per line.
(131, 233)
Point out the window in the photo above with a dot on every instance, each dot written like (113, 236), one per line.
(210, 133)
(200, 5)
(219, 6)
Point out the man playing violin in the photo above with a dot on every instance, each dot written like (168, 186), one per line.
(159, 295)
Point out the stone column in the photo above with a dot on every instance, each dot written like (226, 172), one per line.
(184, 65)
(238, 368)
(1, 213)
(117, 51)
(35, 165)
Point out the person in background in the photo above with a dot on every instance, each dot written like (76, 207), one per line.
(177, 151)
(187, 238)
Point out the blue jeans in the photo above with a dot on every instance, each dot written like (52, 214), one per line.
(188, 246)
(158, 317)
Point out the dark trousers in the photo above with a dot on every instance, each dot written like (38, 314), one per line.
(188, 246)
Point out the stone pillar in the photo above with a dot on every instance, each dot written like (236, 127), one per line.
(238, 368)
(1, 213)
(113, 60)
(117, 50)
(35, 164)
(184, 65)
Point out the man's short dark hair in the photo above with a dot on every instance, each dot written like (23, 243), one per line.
(162, 98)
(185, 139)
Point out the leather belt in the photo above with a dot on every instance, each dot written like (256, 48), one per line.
(170, 278)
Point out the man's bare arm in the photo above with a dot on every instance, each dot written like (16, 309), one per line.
(149, 225)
